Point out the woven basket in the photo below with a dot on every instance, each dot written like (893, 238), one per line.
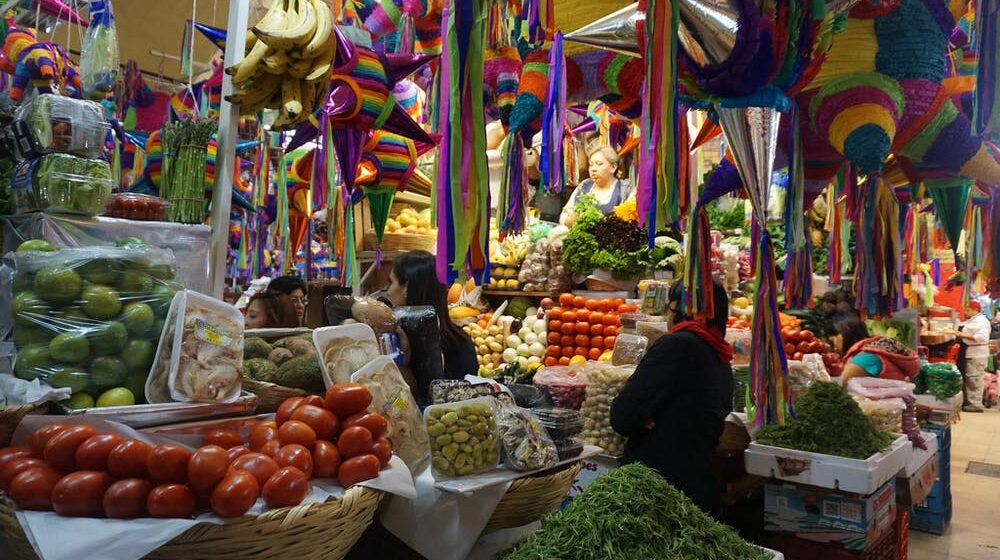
(402, 242)
(11, 416)
(270, 395)
(531, 498)
(320, 530)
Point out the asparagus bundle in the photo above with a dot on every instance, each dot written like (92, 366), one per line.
(185, 156)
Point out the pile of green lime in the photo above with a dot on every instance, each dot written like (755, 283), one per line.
(90, 318)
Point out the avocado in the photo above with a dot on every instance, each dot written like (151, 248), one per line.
(302, 372)
(255, 347)
(260, 369)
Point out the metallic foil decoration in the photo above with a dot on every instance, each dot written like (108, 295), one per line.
(752, 135)
(618, 31)
(708, 30)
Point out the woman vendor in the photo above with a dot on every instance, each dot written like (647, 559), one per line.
(673, 408)
(603, 184)
(271, 310)
(875, 356)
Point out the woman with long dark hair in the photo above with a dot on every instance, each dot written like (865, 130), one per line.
(271, 310)
(413, 281)
(865, 355)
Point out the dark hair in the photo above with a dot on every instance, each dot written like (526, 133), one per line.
(287, 284)
(415, 270)
(719, 319)
(849, 326)
(279, 309)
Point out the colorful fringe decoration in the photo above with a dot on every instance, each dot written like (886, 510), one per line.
(502, 73)
(991, 264)
(462, 187)
(551, 164)
(878, 276)
(986, 112)
(797, 282)
(769, 385)
(698, 281)
(660, 196)
(393, 159)
(512, 201)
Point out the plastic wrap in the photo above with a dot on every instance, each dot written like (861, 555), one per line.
(344, 350)
(877, 388)
(529, 396)
(526, 444)
(803, 373)
(569, 448)
(654, 297)
(652, 330)
(88, 318)
(392, 340)
(54, 123)
(420, 323)
(451, 390)
(190, 244)
(62, 183)
(560, 279)
(200, 355)
(534, 274)
(629, 350)
(740, 341)
(391, 397)
(886, 414)
(561, 423)
(604, 383)
(566, 385)
(463, 437)
(135, 206)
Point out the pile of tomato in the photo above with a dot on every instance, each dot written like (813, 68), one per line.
(583, 327)
(135, 206)
(76, 471)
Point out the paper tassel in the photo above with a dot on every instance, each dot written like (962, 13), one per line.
(698, 280)
(512, 204)
(281, 220)
(986, 112)
(992, 262)
(554, 121)
(797, 282)
(878, 274)
(462, 186)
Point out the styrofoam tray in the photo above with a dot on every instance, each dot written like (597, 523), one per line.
(827, 471)
(775, 555)
(919, 457)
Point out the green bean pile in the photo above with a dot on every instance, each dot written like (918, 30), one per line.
(633, 513)
(828, 421)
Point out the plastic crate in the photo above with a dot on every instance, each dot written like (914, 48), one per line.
(943, 433)
(933, 523)
(937, 502)
(795, 548)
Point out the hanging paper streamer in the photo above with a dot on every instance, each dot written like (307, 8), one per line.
(554, 121)
(462, 189)
(752, 135)
(991, 266)
(797, 282)
(513, 195)
(699, 291)
(951, 199)
(878, 275)
(986, 113)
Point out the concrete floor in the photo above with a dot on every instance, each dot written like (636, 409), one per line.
(974, 533)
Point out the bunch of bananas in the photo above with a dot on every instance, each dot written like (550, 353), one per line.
(287, 62)
(511, 251)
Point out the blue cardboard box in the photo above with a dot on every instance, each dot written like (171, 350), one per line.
(818, 514)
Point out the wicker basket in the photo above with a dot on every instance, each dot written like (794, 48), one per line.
(529, 499)
(402, 242)
(270, 395)
(11, 416)
(320, 530)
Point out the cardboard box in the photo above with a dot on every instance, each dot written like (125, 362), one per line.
(914, 489)
(848, 520)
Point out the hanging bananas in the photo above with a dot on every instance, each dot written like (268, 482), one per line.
(288, 57)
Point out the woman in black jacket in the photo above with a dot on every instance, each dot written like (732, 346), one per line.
(674, 406)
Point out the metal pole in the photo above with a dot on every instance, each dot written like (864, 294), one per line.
(229, 115)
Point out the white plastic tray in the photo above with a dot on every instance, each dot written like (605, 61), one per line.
(919, 457)
(827, 471)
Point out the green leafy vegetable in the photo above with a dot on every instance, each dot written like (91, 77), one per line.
(605, 242)
(632, 513)
(727, 220)
(72, 184)
(943, 380)
(828, 421)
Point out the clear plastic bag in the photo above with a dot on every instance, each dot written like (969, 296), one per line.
(526, 444)
(391, 397)
(420, 323)
(62, 183)
(629, 350)
(534, 274)
(604, 383)
(200, 356)
(877, 388)
(451, 390)
(652, 330)
(561, 423)
(87, 318)
(344, 350)
(566, 385)
(344, 310)
(560, 279)
(136, 206)
(740, 340)
(885, 414)
(463, 437)
(54, 123)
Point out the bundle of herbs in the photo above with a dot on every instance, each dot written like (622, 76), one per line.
(633, 513)
(604, 242)
(185, 156)
(828, 421)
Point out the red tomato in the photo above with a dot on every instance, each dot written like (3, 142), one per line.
(806, 334)
(583, 328)
(32, 488)
(223, 438)
(610, 330)
(583, 316)
(235, 495)
(126, 498)
(358, 469)
(789, 349)
(597, 342)
(129, 459)
(207, 466)
(271, 448)
(582, 340)
(597, 318)
(564, 361)
(261, 434)
(295, 455)
(553, 338)
(236, 452)
(60, 451)
(43, 435)
(592, 304)
(169, 463)
(383, 450)
(569, 317)
(566, 340)
(298, 432)
(259, 465)
(579, 302)
(596, 329)
(550, 361)
(595, 353)
(13, 452)
(797, 356)
(345, 399)
(288, 487)
(314, 400)
(555, 314)
(286, 409)
(568, 328)
(566, 300)
(373, 421)
(555, 325)
(326, 459)
(322, 421)
(609, 342)
(553, 351)
(16, 466)
(81, 494)
(568, 351)
(355, 441)
(171, 500)
(611, 320)
(92, 455)
(582, 351)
